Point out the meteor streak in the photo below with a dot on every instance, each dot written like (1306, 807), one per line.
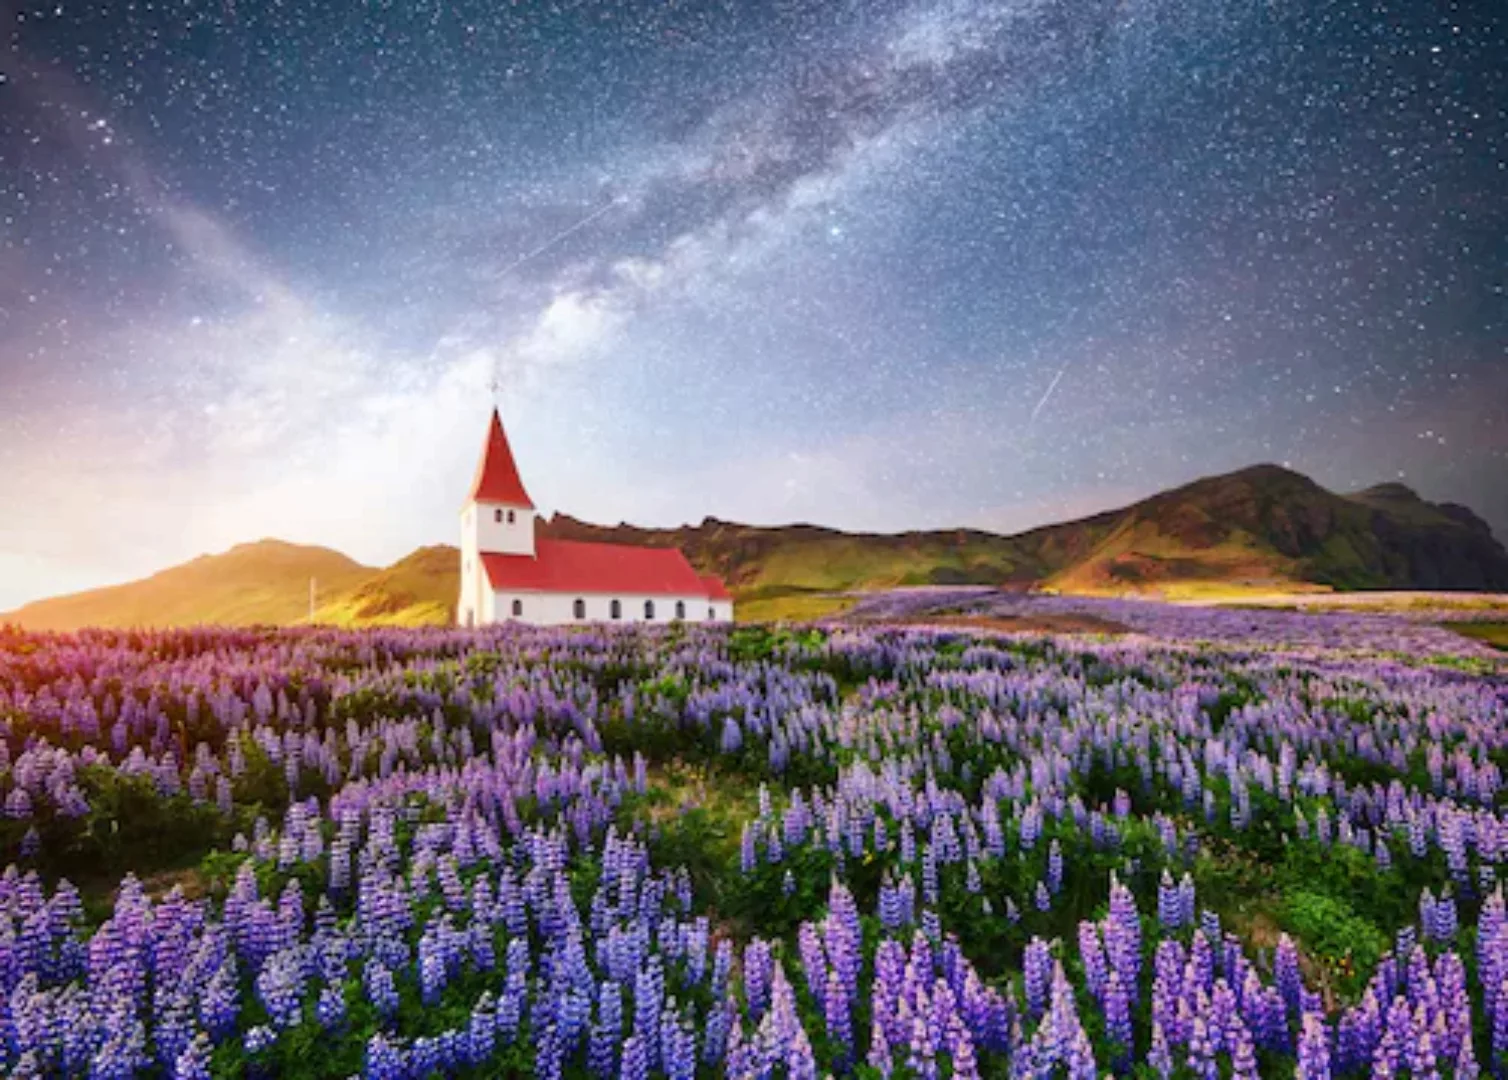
(558, 237)
(1050, 388)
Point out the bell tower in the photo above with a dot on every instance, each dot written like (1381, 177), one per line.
(497, 519)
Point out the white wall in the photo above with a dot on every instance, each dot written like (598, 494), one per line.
(470, 598)
(481, 531)
(493, 535)
(556, 609)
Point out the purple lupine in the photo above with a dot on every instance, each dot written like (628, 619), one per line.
(1122, 933)
(1169, 903)
(1286, 970)
(759, 967)
(1092, 958)
(1036, 967)
(838, 1020)
(1159, 1057)
(635, 1059)
(1118, 1019)
(813, 962)
(1314, 1049)
(1243, 1052)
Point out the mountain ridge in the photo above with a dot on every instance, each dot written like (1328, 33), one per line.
(1263, 527)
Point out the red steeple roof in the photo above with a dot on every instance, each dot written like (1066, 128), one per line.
(496, 475)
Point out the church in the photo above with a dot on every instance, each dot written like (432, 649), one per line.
(509, 574)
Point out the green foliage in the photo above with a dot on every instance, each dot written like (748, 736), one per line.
(131, 827)
(1332, 932)
(1347, 875)
(1493, 633)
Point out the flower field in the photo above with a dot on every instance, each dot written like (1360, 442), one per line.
(848, 850)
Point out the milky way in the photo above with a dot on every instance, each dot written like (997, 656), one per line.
(876, 265)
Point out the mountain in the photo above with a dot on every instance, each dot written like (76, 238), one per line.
(1262, 527)
(262, 582)
(1267, 526)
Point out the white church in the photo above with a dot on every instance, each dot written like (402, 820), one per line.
(508, 574)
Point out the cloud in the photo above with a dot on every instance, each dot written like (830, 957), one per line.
(576, 325)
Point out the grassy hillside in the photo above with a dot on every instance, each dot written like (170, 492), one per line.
(1267, 527)
(263, 582)
(766, 562)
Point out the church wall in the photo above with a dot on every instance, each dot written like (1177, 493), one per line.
(557, 609)
(500, 536)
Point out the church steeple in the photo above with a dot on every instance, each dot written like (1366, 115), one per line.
(497, 480)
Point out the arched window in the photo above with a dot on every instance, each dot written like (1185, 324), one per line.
(680, 609)
(497, 515)
(616, 609)
(579, 608)
(518, 607)
(712, 613)
(649, 609)
(510, 517)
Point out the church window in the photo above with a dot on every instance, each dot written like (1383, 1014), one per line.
(579, 608)
(616, 609)
(497, 515)
(518, 607)
(680, 609)
(510, 517)
(649, 609)
(712, 613)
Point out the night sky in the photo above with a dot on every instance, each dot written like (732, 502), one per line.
(878, 265)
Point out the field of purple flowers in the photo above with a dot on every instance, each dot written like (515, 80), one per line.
(1411, 633)
(859, 851)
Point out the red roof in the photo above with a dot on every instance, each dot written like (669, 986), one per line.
(496, 475)
(573, 566)
(716, 590)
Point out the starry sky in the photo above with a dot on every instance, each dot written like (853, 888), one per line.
(877, 264)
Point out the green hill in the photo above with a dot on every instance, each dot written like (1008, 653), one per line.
(264, 582)
(1263, 528)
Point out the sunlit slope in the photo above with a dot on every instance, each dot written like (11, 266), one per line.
(1268, 527)
(266, 582)
(417, 590)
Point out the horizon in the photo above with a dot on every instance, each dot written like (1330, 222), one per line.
(914, 265)
(383, 563)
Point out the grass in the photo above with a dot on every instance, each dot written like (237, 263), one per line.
(1493, 633)
(795, 607)
(697, 817)
(833, 563)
